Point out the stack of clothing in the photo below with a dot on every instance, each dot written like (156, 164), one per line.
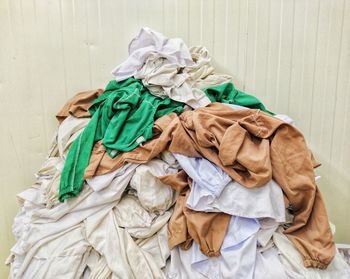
(171, 172)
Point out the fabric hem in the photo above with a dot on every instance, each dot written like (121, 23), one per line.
(315, 264)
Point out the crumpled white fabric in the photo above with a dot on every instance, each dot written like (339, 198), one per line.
(237, 260)
(149, 42)
(214, 191)
(238, 252)
(202, 73)
(136, 220)
(268, 265)
(293, 262)
(182, 84)
(112, 179)
(169, 69)
(61, 255)
(267, 228)
(124, 258)
(157, 246)
(35, 222)
(179, 266)
(96, 267)
(153, 195)
(48, 177)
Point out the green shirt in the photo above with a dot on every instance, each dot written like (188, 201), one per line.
(122, 117)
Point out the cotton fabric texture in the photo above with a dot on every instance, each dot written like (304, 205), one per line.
(172, 172)
(251, 147)
(122, 117)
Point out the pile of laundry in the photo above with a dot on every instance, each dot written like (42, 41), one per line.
(171, 172)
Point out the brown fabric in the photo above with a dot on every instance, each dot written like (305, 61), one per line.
(78, 106)
(208, 229)
(252, 147)
(168, 134)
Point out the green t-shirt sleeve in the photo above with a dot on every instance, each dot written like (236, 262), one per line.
(227, 93)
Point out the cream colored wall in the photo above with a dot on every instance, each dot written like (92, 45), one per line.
(293, 55)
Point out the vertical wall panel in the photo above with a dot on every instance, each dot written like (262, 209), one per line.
(292, 54)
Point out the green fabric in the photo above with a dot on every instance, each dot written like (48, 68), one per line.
(227, 93)
(122, 117)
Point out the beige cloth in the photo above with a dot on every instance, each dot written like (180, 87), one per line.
(96, 267)
(157, 246)
(124, 258)
(136, 220)
(62, 255)
(153, 195)
(181, 84)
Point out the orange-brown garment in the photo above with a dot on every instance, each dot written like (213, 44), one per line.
(78, 105)
(168, 134)
(208, 229)
(252, 147)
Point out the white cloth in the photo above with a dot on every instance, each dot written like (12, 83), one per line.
(35, 222)
(157, 246)
(96, 267)
(238, 252)
(63, 255)
(267, 228)
(214, 191)
(136, 220)
(166, 67)
(179, 266)
(124, 258)
(294, 267)
(149, 42)
(268, 265)
(99, 183)
(237, 259)
(153, 195)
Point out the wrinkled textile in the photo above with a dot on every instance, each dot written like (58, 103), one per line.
(157, 246)
(182, 84)
(49, 257)
(168, 80)
(169, 69)
(67, 133)
(227, 93)
(35, 222)
(153, 195)
(96, 267)
(206, 228)
(238, 252)
(124, 258)
(78, 105)
(136, 220)
(214, 191)
(122, 118)
(268, 265)
(251, 147)
(293, 263)
(159, 62)
(151, 42)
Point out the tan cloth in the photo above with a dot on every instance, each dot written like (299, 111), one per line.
(208, 229)
(78, 105)
(252, 147)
